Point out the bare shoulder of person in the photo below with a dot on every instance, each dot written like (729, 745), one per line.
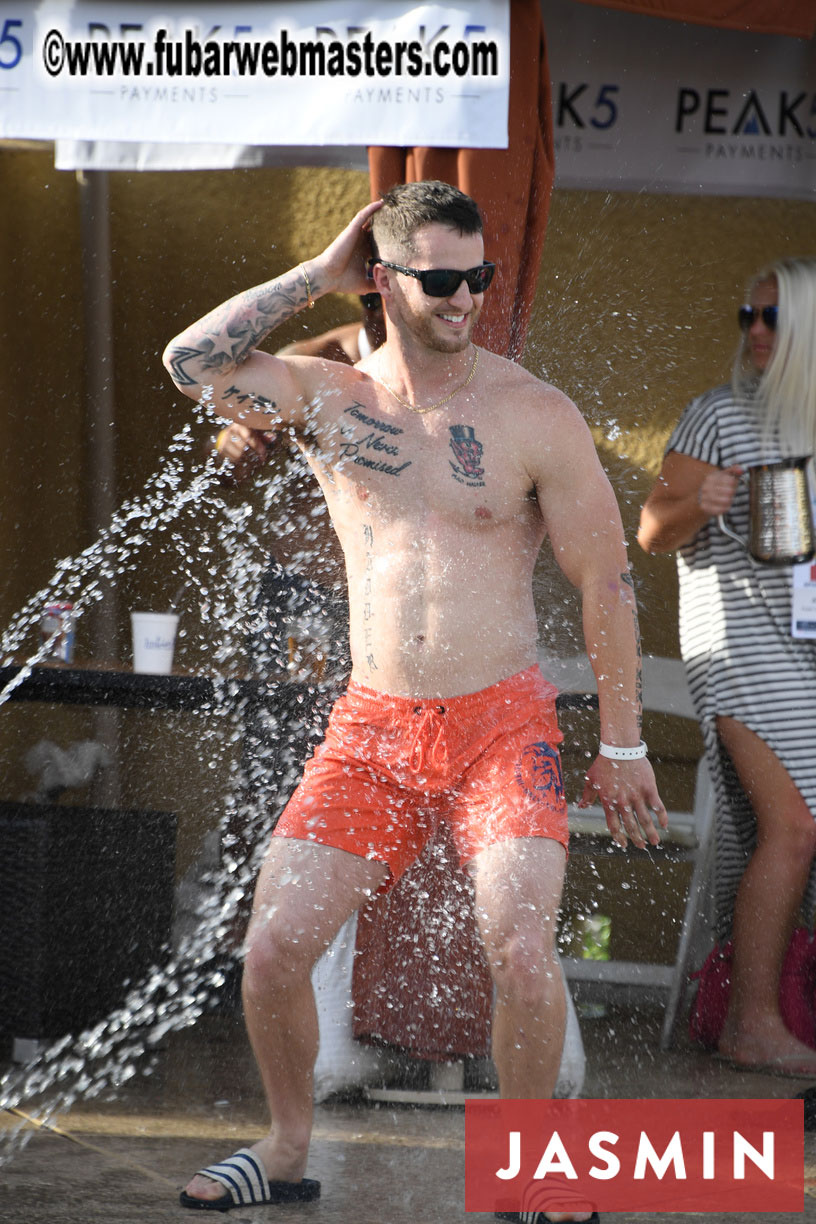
(539, 406)
(530, 409)
(508, 377)
(320, 375)
(327, 386)
(551, 430)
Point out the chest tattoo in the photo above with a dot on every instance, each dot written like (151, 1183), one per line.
(371, 443)
(467, 449)
(356, 410)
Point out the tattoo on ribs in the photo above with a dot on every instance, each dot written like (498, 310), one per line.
(368, 612)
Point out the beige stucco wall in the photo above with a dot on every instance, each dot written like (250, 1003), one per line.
(634, 313)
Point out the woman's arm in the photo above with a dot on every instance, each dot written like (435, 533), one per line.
(687, 493)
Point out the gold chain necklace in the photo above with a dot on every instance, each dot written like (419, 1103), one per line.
(431, 408)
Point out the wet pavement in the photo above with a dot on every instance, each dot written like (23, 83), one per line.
(123, 1160)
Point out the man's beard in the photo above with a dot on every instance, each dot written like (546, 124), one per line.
(421, 327)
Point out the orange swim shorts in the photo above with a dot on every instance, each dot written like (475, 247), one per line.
(391, 768)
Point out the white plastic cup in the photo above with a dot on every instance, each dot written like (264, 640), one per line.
(154, 637)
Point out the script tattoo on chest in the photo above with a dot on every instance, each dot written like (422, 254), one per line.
(467, 448)
(371, 442)
(368, 612)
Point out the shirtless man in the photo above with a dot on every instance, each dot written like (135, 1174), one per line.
(443, 467)
(302, 599)
(247, 450)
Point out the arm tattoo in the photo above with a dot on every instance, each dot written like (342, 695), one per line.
(177, 371)
(626, 577)
(261, 402)
(239, 327)
(639, 672)
(222, 340)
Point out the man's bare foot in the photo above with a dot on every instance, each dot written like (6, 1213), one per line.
(282, 1161)
(768, 1046)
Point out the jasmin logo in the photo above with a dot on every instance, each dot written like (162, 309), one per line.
(635, 1155)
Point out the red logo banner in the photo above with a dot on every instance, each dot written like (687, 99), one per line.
(635, 1155)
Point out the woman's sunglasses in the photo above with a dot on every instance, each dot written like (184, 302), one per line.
(443, 282)
(748, 316)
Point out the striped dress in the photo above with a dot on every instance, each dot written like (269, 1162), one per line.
(736, 643)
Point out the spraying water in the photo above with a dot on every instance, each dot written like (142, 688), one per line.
(181, 503)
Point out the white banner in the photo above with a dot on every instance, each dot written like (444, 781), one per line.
(332, 72)
(149, 155)
(639, 104)
(643, 103)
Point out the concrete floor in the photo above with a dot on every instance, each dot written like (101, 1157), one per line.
(124, 1160)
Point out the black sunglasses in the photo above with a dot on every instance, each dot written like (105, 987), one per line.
(748, 316)
(443, 282)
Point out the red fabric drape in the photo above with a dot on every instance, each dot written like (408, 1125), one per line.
(794, 17)
(420, 980)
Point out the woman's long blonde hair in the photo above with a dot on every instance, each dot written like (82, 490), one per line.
(786, 391)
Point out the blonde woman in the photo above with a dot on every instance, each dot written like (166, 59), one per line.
(753, 683)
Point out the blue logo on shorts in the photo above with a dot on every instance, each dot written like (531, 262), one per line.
(539, 772)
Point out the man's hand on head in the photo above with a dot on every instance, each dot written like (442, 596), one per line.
(341, 268)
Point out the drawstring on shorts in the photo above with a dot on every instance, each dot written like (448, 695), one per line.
(431, 720)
